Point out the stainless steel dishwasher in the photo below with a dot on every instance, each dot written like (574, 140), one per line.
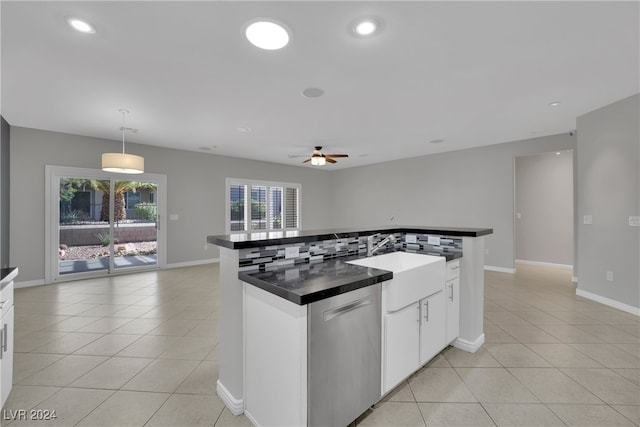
(344, 345)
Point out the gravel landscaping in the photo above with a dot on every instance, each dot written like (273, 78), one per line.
(99, 251)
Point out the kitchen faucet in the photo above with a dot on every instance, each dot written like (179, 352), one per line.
(371, 249)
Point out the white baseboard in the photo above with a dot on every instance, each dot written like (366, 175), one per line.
(499, 269)
(251, 418)
(39, 282)
(28, 283)
(545, 264)
(192, 263)
(236, 406)
(609, 302)
(469, 346)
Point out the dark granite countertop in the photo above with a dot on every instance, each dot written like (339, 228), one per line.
(306, 283)
(7, 275)
(255, 240)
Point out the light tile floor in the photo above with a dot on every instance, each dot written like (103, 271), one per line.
(140, 350)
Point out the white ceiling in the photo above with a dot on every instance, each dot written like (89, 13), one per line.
(470, 73)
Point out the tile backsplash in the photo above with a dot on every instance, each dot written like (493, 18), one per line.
(271, 257)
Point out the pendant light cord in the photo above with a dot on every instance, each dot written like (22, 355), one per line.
(123, 111)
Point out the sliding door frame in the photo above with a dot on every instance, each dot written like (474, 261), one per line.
(52, 220)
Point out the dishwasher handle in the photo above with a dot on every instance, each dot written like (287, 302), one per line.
(339, 311)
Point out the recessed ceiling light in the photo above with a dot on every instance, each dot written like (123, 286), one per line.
(81, 26)
(365, 27)
(436, 141)
(267, 34)
(312, 92)
(243, 129)
(554, 103)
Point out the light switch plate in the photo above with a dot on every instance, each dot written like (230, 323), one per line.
(291, 252)
(411, 238)
(634, 221)
(587, 219)
(518, 215)
(173, 217)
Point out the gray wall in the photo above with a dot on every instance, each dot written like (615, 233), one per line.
(473, 188)
(196, 191)
(609, 190)
(4, 192)
(544, 201)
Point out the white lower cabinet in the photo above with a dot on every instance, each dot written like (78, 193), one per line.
(6, 355)
(452, 294)
(452, 290)
(412, 336)
(401, 355)
(432, 326)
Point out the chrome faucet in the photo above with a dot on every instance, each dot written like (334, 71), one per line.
(371, 249)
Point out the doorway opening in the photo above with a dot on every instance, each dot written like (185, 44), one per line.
(544, 209)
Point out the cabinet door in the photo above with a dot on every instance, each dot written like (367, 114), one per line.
(432, 326)
(6, 364)
(401, 345)
(452, 290)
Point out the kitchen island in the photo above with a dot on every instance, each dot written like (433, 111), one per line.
(301, 267)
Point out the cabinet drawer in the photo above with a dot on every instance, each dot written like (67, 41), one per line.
(453, 269)
(6, 299)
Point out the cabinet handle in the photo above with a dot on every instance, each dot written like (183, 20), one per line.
(426, 310)
(5, 337)
(2, 303)
(451, 295)
(1, 339)
(419, 312)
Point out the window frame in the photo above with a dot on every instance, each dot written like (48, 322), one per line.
(248, 183)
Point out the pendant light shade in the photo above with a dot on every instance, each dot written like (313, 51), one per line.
(122, 162)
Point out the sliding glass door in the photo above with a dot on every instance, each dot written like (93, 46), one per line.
(101, 223)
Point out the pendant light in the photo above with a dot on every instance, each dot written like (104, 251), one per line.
(122, 162)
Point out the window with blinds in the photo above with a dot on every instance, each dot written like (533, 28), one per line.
(262, 206)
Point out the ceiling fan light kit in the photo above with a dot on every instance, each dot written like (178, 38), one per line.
(319, 159)
(122, 162)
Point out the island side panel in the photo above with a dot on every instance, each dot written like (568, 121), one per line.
(471, 335)
(275, 359)
(230, 386)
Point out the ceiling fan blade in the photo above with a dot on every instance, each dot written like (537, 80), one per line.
(337, 155)
(330, 160)
(308, 160)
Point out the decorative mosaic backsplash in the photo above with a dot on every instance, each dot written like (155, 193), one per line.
(271, 257)
(423, 246)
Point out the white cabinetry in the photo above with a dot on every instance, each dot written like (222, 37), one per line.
(452, 294)
(401, 353)
(6, 340)
(432, 326)
(414, 318)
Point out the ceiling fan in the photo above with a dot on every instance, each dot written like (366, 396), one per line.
(318, 158)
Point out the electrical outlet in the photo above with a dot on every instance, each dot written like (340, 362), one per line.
(634, 221)
(518, 215)
(206, 247)
(291, 252)
(610, 276)
(587, 219)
